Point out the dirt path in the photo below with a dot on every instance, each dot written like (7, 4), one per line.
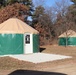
(68, 69)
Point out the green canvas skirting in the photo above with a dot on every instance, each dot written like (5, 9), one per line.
(14, 44)
(71, 41)
(11, 44)
(35, 43)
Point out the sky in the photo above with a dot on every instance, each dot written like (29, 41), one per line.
(50, 2)
(47, 2)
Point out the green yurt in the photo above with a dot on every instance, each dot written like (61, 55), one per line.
(16, 37)
(69, 36)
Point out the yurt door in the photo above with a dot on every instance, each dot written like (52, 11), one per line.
(28, 43)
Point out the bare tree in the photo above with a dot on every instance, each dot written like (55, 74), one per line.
(61, 6)
(62, 19)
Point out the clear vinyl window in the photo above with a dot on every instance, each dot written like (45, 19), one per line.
(27, 39)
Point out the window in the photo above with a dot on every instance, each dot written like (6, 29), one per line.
(27, 39)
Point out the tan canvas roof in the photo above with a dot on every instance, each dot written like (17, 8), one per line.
(69, 33)
(14, 25)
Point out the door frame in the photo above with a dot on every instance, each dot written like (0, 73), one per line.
(28, 48)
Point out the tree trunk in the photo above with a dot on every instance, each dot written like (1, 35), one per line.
(66, 42)
(66, 39)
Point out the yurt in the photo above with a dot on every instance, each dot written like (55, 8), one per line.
(16, 37)
(69, 36)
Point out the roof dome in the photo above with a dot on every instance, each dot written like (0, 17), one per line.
(14, 25)
(69, 33)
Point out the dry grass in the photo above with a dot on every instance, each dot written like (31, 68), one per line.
(7, 63)
(68, 51)
(71, 51)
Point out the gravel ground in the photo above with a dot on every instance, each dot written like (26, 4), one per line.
(40, 57)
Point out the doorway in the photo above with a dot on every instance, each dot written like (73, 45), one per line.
(28, 47)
